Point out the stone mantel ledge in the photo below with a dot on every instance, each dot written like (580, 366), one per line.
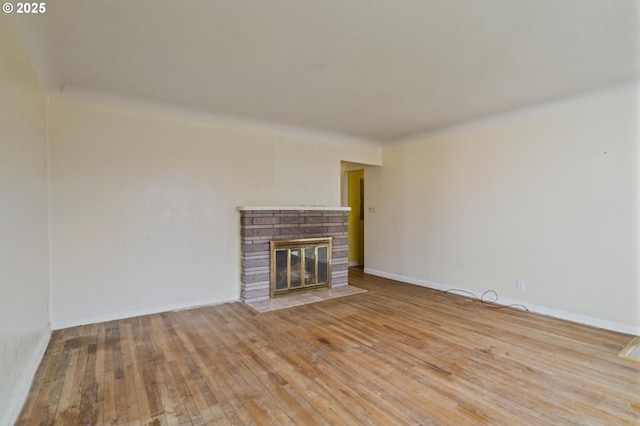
(294, 208)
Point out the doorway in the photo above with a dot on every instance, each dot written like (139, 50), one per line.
(355, 200)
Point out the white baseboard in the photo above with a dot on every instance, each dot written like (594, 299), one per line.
(22, 389)
(354, 263)
(110, 316)
(552, 312)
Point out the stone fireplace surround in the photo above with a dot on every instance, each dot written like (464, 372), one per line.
(261, 224)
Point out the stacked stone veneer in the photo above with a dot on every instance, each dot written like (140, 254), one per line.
(258, 227)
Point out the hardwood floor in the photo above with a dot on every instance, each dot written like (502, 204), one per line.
(398, 354)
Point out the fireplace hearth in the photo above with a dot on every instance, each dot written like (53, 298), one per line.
(311, 241)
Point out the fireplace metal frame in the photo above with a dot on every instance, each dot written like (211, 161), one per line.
(302, 244)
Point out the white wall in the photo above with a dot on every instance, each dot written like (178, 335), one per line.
(24, 275)
(548, 196)
(143, 202)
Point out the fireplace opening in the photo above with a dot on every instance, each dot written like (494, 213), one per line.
(300, 264)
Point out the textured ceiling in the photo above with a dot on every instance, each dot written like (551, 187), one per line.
(373, 70)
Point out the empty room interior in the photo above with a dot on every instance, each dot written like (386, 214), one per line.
(293, 212)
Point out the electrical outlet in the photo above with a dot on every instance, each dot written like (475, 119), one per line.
(371, 209)
(520, 285)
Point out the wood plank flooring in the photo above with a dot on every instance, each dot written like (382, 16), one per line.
(398, 354)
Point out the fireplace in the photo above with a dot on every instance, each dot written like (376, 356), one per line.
(321, 233)
(301, 264)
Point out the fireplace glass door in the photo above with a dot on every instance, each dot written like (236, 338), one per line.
(300, 264)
